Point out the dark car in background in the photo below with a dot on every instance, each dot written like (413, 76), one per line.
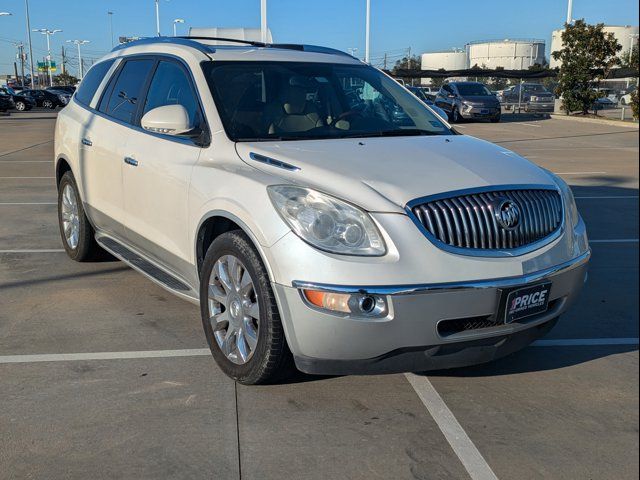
(6, 102)
(63, 88)
(48, 98)
(426, 98)
(468, 101)
(21, 102)
(535, 98)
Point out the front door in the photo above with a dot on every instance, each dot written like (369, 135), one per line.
(157, 173)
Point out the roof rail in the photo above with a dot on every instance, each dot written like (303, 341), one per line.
(169, 40)
(193, 42)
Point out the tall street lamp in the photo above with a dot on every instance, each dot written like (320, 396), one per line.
(78, 43)
(26, 7)
(48, 33)
(158, 17)
(175, 22)
(367, 31)
(110, 14)
(263, 21)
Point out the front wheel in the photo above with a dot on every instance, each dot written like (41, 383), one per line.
(455, 115)
(496, 119)
(21, 106)
(76, 231)
(48, 104)
(239, 313)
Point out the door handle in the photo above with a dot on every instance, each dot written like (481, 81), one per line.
(87, 142)
(131, 161)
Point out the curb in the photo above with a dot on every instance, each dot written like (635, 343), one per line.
(617, 123)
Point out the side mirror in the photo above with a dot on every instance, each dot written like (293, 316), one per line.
(168, 120)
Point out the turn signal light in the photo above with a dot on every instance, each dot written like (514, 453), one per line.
(357, 304)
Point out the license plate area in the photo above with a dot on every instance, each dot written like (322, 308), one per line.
(518, 303)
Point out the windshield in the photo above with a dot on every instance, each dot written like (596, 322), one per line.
(302, 101)
(473, 90)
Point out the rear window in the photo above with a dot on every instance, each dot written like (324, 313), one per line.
(92, 81)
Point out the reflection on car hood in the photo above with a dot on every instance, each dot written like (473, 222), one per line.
(383, 174)
(483, 100)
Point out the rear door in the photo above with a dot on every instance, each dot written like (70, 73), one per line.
(157, 174)
(104, 140)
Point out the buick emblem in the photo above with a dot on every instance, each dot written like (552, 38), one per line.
(507, 213)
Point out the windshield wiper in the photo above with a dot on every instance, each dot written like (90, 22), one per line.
(408, 132)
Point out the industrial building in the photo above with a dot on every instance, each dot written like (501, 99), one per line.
(455, 59)
(626, 36)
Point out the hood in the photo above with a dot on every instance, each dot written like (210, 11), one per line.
(481, 99)
(384, 174)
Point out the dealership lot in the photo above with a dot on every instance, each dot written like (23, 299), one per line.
(156, 406)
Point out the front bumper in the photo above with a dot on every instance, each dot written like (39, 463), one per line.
(540, 107)
(479, 112)
(408, 338)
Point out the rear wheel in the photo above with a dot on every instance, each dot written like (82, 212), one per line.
(48, 104)
(76, 231)
(495, 119)
(455, 115)
(239, 312)
(21, 106)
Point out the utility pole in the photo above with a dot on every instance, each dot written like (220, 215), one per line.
(22, 58)
(263, 21)
(64, 60)
(385, 60)
(26, 5)
(367, 31)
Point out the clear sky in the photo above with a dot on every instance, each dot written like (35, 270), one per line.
(396, 25)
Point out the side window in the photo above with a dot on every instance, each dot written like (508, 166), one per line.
(171, 86)
(91, 81)
(121, 98)
(446, 89)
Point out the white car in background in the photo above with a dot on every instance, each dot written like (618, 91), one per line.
(315, 210)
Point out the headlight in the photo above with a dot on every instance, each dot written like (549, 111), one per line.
(534, 98)
(327, 223)
(569, 200)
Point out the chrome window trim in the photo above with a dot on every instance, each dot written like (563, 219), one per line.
(504, 282)
(479, 252)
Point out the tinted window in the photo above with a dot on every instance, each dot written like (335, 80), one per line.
(91, 81)
(473, 90)
(125, 91)
(171, 86)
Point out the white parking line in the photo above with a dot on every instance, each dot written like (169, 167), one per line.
(612, 197)
(28, 203)
(471, 458)
(579, 173)
(530, 125)
(616, 240)
(584, 342)
(66, 357)
(44, 250)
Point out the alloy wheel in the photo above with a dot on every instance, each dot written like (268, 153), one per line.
(70, 218)
(234, 312)
(20, 106)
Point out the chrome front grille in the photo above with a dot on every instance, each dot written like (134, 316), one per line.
(473, 220)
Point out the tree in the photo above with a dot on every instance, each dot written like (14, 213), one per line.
(65, 79)
(629, 59)
(587, 56)
(406, 63)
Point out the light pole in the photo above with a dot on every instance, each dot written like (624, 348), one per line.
(263, 21)
(78, 43)
(175, 22)
(110, 14)
(367, 32)
(158, 17)
(26, 6)
(569, 12)
(48, 33)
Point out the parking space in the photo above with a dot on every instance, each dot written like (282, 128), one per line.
(162, 409)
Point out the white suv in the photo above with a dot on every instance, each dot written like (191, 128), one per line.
(315, 209)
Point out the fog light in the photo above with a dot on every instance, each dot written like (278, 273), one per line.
(349, 303)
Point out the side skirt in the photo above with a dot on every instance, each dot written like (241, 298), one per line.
(151, 270)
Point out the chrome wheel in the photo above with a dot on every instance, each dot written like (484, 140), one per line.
(70, 218)
(234, 312)
(20, 106)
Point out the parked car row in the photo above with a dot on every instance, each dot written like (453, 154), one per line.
(27, 99)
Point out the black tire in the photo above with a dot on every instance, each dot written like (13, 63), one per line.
(496, 119)
(271, 360)
(87, 248)
(455, 115)
(21, 106)
(49, 104)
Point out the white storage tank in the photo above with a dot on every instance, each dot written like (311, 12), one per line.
(455, 59)
(510, 54)
(626, 36)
